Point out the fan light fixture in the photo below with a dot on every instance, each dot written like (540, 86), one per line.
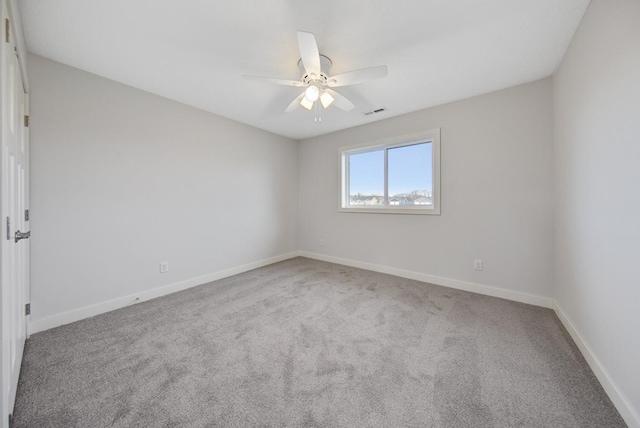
(311, 96)
(306, 103)
(312, 93)
(326, 99)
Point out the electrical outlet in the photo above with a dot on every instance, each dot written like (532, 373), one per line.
(477, 265)
(322, 242)
(164, 267)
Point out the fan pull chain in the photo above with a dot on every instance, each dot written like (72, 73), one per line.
(318, 118)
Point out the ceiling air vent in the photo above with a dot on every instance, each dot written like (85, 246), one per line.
(378, 110)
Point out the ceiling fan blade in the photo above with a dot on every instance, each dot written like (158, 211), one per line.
(357, 76)
(294, 104)
(309, 52)
(285, 82)
(340, 101)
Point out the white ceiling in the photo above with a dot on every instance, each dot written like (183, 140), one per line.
(197, 51)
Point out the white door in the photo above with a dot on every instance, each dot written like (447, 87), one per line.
(14, 188)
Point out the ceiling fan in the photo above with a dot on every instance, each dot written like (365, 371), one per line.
(315, 76)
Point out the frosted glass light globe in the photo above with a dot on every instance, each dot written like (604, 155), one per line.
(312, 93)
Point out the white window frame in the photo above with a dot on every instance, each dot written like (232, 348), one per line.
(429, 136)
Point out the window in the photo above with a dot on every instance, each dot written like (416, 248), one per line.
(399, 175)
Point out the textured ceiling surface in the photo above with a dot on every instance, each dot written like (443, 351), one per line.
(197, 51)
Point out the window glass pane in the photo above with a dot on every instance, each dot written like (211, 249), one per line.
(410, 175)
(366, 178)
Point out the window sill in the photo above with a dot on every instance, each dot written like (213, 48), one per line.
(387, 210)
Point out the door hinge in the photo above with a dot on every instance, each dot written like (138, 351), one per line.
(8, 229)
(27, 309)
(7, 32)
(26, 120)
(26, 215)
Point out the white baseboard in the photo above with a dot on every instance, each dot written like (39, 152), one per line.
(35, 326)
(487, 290)
(38, 325)
(628, 413)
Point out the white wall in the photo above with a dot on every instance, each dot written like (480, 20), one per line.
(496, 195)
(122, 180)
(597, 197)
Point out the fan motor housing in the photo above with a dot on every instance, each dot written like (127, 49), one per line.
(325, 69)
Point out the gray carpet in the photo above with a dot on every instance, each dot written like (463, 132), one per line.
(305, 343)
